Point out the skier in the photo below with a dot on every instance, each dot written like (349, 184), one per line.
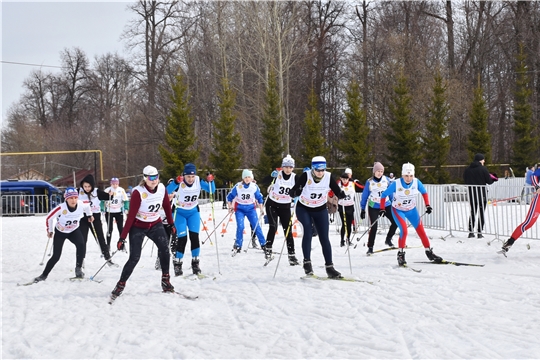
(246, 197)
(532, 214)
(346, 207)
(89, 194)
(68, 216)
(143, 220)
(403, 193)
(278, 206)
(312, 188)
(187, 215)
(115, 207)
(478, 176)
(375, 186)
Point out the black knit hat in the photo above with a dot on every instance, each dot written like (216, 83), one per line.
(479, 157)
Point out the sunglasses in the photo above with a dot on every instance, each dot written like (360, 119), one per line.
(152, 177)
(319, 170)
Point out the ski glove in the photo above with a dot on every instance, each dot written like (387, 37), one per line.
(171, 229)
(429, 209)
(382, 213)
(341, 195)
(274, 174)
(363, 214)
(209, 177)
(121, 244)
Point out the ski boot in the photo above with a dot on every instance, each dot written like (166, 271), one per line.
(195, 266)
(78, 272)
(293, 260)
(332, 273)
(401, 258)
(507, 245)
(166, 284)
(177, 264)
(40, 278)
(369, 251)
(471, 235)
(236, 249)
(118, 289)
(267, 252)
(342, 243)
(480, 236)
(308, 269)
(432, 257)
(389, 243)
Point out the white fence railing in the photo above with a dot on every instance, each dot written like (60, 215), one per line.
(506, 206)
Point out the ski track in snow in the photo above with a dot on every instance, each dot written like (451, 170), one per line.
(445, 312)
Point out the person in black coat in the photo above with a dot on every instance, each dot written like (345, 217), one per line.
(478, 176)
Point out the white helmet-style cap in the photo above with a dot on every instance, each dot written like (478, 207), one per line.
(348, 171)
(318, 163)
(407, 169)
(150, 171)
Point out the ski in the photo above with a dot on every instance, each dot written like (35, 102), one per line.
(410, 268)
(385, 249)
(112, 298)
(188, 297)
(234, 252)
(28, 283)
(502, 252)
(83, 279)
(268, 261)
(316, 277)
(198, 277)
(444, 262)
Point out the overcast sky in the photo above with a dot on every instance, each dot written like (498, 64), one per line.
(36, 33)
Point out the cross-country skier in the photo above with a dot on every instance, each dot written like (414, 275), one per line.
(532, 214)
(347, 203)
(312, 188)
(278, 206)
(68, 216)
(243, 200)
(144, 221)
(89, 194)
(187, 189)
(403, 193)
(371, 197)
(115, 207)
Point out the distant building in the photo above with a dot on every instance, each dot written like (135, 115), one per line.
(30, 174)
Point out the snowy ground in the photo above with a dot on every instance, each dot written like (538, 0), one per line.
(443, 312)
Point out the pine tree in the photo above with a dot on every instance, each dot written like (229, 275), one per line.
(403, 138)
(225, 158)
(179, 134)
(479, 139)
(354, 146)
(313, 142)
(272, 150)
(524, 149)
(437, 139)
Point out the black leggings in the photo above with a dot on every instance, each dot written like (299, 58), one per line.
(284, 215)
(136, 236)
(373, 215)
(109, 218)
(319, 218)
(85, 228)
(349, 218)
(58, 242)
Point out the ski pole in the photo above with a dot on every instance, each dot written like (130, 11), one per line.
(45, 252)
(102, 266)
(365, 232)
(94, 232)
(262, 212)
(215, 228)
(206, 231)
(346, 235)
(283, 246)
(214, 222)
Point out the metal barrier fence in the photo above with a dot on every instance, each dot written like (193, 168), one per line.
(24, 204)
(506, 206)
